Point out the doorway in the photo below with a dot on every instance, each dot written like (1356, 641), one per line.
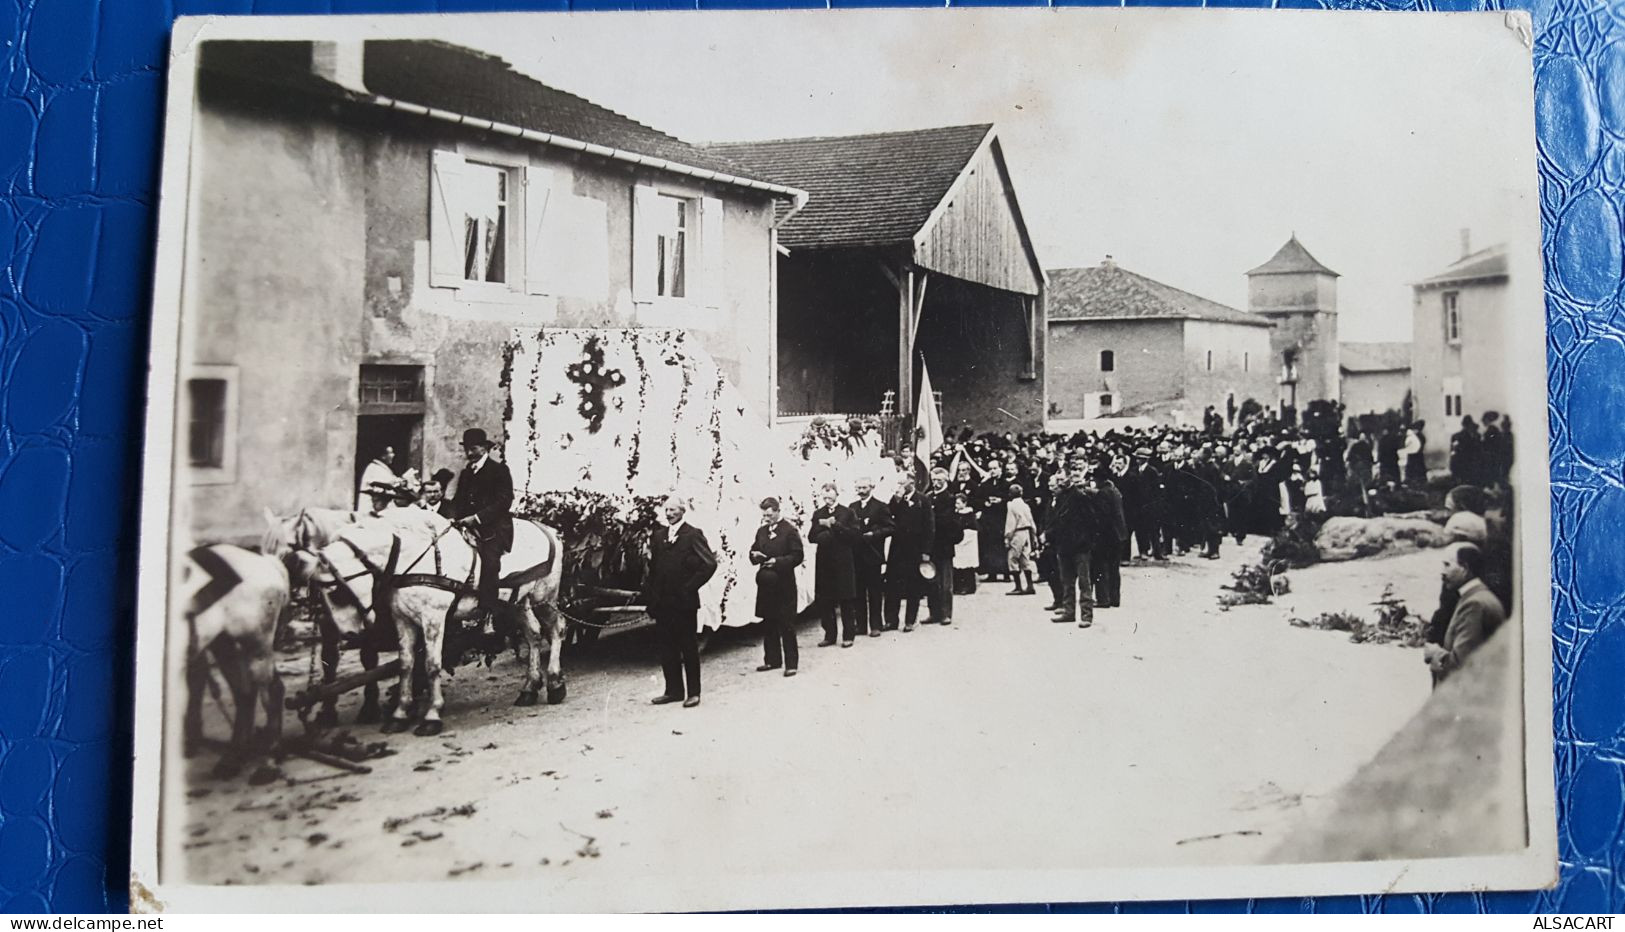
(390, 415)
(374, 432)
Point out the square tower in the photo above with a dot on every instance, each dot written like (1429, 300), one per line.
(1299, 294)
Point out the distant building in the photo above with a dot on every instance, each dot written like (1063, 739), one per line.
(1375, 377)
(1459, 328)
(1299, 294)
(1123, 344)
(911, 252)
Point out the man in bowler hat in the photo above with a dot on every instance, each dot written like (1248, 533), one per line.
(484, 498)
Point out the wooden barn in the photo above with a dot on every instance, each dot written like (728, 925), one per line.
(910, 252)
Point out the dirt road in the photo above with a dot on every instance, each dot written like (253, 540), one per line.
(1169, 734)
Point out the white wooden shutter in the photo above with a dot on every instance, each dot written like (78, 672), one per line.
(712, 286)
(540, 246)
(644, 212)
(446, 220)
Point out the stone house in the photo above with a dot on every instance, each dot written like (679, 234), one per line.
(1459, 346)
(1375, 377)
(1124, 344)
(368, 223)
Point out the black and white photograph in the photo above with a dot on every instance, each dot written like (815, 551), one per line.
(701, 461)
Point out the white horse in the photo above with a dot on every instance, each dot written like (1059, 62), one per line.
(232, 601)
(426, 571)
(295, 540)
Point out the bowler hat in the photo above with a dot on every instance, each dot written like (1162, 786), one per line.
(474, 437)
(928, 570)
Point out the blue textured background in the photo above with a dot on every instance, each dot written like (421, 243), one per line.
(80, 116)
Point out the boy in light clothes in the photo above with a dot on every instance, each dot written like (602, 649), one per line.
(1020, 535)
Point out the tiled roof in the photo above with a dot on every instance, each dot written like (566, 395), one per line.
(1374, 357)
(1291, 258)
(467, 82)
(1108, 291)
(871, 190)
(1490, 262)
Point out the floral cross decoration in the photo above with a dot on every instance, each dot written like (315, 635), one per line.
(593, 379)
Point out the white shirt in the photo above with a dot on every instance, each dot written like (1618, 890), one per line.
(671, 532)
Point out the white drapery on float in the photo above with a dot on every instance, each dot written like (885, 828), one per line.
(648, 413)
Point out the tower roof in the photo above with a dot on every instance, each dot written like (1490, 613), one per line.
(1292, 259)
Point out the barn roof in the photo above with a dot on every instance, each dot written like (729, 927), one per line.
(1291, 259)
(1488, 263)
(1374, 357)
(869, 190)
(465, 82)
(1109, 292)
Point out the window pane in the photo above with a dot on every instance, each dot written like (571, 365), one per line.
(678, 264)
(495, 254)
(206, 429)
(660, 265)
(390, 384)
(485, 194)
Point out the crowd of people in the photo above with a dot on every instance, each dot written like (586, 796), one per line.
(1071, 511)
(1068, 511)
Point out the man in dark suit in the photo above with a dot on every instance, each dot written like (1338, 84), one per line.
(947, 531)
(680, 563)
(484, 497)
(912, 530)
(869, 555)
(834, 534)
(1076, 524)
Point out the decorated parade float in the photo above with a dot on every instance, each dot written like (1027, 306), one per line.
(601, 425)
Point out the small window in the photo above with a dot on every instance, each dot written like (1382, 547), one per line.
(1105, 404)
(1210, 360)
(206, 427)
(1452, 318)
(1246, 362)
(485, 223)
(1108, 361)
(391, 385)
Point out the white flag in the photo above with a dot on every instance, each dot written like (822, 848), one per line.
(927, 426)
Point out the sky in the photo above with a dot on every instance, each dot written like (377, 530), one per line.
(1187, 144)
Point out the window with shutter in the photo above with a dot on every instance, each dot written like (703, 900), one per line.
(474, 237)
(677, 252)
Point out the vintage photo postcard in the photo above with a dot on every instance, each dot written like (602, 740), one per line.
(1082, 455)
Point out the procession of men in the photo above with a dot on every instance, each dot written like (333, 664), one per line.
(1069, 510)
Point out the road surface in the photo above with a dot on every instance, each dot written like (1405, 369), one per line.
(1169, 734)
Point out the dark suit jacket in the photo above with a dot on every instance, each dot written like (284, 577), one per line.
(488, 496)
(874, 526)
(776, 578)
(834, 574)
(677, 570)
(1074, 523)
(913, 529)
(948, 528)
